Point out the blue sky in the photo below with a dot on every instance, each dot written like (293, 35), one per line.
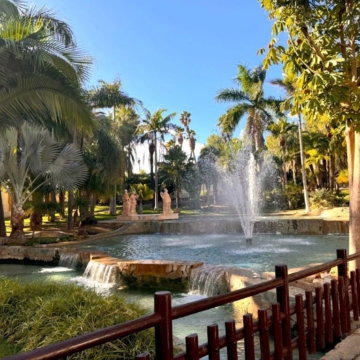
(174, 54)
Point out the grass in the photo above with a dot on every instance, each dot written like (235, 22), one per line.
(37, 314)
(7, 349)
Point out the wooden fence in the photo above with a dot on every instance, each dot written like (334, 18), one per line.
(322, 319)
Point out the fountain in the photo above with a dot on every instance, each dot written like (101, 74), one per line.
(245, 179)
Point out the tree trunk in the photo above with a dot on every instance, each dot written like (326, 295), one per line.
(141, 211)
(353, 147)
(52, 211)
(70, 209)
(332, 173)
(61, 203)
(17, 236)
(156, 206)
(2, 218)
(303, 172)
(113, 202)
(176, 199)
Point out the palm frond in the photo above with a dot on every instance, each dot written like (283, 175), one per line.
(232, 117)
(68, 169)
(229, 94)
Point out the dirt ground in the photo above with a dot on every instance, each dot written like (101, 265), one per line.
(333, 213)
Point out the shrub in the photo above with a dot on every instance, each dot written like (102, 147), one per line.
(322, 198)
(38, 314)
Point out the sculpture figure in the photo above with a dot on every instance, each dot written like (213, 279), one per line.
(166, 202)
(126, 204)
(133, 198)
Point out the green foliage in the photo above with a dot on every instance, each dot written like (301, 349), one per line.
(294, 194)
(38, 314)
(7, 349)
(343, 177)
(143, 190)
(322, 198)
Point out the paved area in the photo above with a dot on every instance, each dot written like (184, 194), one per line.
(348, 349)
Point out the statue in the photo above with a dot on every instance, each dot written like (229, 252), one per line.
(126, 204)
(166, 202)
(133, 198)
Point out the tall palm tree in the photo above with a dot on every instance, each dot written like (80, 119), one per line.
(127, 121)
(174, 168)
(250, 101)
(152, 126)
(110, 95)
(288, 84)
(283, 131)
(35, 152)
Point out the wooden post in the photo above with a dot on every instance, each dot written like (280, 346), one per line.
(163, 331)
(328, 315)
(282, 294)
(310, 322)
(231, 343)
(213, 342)
(264, 334)
(320, 336)
(192, 347)
(299, 303)
(249, 337)
(343, 271)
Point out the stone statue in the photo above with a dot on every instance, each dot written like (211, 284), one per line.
(126, 204)
(166, 202)
(133, 198)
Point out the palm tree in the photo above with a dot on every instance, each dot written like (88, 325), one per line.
(250, 101)
(100, 150)
(288, 84)
(174, 167)
(35, 153)
(153, 125)
(41, 70)
(127, 122)
(283, 131)
(110, 95)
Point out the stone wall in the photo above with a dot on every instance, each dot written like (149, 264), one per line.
(230, 226)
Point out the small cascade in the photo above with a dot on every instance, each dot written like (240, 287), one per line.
(209, 280)
(69, 260)
(102, 273)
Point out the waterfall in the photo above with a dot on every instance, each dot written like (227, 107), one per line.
(209, 280)
(69, 260)
(102, 273)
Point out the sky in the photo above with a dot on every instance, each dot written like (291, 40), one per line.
(173, 54)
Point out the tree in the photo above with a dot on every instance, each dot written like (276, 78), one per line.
(99, 151)
(283, 131)
(323, 50)
(288, 84)
(175, 167)
(41, 71)
(250, 101)
(37, 153)
(153, 125)
(144, 193)
(110, 95)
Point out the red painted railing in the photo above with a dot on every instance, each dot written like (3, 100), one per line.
(322, 319)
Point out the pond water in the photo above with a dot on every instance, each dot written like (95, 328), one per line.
(226, 250)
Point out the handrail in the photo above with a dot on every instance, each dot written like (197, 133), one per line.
(163, 316)
(208, 303)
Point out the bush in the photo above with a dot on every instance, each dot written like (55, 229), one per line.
(322, 198)
(38, 314)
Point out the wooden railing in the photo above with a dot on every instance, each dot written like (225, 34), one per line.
(322, 319)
